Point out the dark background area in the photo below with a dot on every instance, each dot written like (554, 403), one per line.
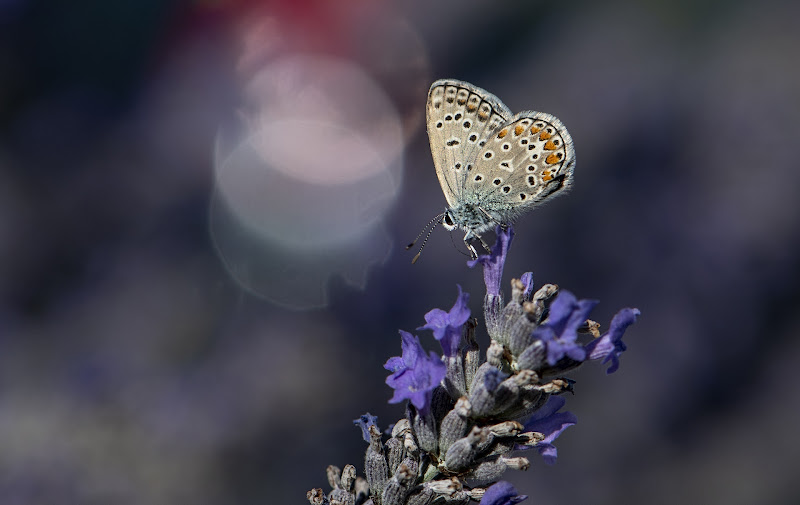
(136, 369)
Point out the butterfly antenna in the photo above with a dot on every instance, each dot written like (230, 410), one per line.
(432, 225)
(409, 246)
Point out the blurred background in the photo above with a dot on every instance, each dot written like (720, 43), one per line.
(204, 207)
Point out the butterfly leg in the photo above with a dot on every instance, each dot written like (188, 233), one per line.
(471, 235)
(472, 252)
(485, 246)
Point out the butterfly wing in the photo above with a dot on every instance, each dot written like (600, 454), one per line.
(525, 161)
(460, 119)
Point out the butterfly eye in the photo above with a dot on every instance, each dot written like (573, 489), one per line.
(448, 222)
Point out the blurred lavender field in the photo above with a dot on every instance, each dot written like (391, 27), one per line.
(203, 208)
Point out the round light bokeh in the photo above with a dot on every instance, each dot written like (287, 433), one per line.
(304, 178)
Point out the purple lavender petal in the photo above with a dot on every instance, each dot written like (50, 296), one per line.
(493, 263)
(551, 424)
(501, 493)
(448, 327)
(609, 346)
(415, 374)
(364, 422)
(394, 364)
(560, 331)
(493, 379)
(527, 280)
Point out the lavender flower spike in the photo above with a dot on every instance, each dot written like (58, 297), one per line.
(493, 263)
(447, 327)
(415, 374)
(609, 346)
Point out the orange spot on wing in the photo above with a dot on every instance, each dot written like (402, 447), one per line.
(471, 107)
(546, 176)
(544, 136)
(534, 130)
(518, 129)
(551, 159)
(502, 133)
(550, 146)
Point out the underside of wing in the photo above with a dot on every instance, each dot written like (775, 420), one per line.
(460, 119)
(527, 160)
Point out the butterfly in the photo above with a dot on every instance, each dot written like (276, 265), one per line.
(493, 165)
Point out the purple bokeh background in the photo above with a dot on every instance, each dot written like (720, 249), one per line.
(135, 370)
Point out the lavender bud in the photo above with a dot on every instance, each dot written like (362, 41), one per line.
(495, 356)
(492, 310)
(445, 487)
(491, 470)
(397, 488)
(441, 402)
(556, 386)
(375, 465)
(361, 490)
(421, 496)
(340, 494)
(412, 467)
(334, 474)
(503, 395)
(484, 388)
(341, 497)
(455, 381)
(520, 333)
(518, 291)
(317, 497)
(463, 451)
(530, 400)
(455, 424)
(477, 493)
(533, 357)
(472, 353)
(506, 429)
(529, 438)
(394, 495)
(424, 426)
(400, 428)
(496, 435)
(348, 479)
(461, 497)
(395, 452)
(537, 303)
